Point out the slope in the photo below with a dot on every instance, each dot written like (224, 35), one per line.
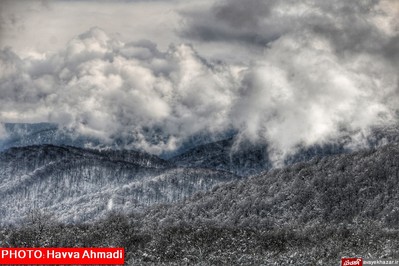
(332, 189)
(79, 185)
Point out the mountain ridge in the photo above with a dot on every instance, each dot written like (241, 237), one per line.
(80, 185)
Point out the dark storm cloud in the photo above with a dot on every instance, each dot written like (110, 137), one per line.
(230, 21)
(243, 14)
(258, 22)
(391, 50)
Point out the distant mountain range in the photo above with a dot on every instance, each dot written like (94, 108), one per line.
(50, 168)
(26, 134)
(226, 153)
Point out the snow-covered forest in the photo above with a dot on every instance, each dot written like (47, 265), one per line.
(310, 213)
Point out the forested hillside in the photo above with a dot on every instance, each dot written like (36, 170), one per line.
(334, 189)
(307, 214)
(79, 185)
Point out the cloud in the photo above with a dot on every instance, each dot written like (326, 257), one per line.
(232, 21)
(57, 21)
(350, 26)
(316, 71)
(302, 93)
(106, 88)
(260, 22)
(322, 70)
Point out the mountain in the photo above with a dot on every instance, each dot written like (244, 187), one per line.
(221, 152)
(26, 134)
(311, 213)
(246, 158)
(79, 185)
(340, 188)
(243, 159)
(223, 155)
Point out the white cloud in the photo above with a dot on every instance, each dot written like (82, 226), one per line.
(303, 73)
(99, 87)
(303, 94)
(42, 26)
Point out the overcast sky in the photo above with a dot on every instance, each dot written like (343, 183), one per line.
(289, 72)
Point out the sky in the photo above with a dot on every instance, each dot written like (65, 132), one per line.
(292, 73)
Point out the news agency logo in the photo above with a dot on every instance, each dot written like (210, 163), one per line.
(352, 262)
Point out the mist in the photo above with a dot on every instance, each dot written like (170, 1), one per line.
(287, 73)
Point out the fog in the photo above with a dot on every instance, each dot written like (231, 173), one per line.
(290, 73)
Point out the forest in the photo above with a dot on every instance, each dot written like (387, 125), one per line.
(310, 213)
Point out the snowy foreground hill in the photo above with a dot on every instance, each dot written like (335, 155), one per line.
(336, 189)
(309, 213)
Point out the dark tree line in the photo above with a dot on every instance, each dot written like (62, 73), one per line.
(208, 244)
